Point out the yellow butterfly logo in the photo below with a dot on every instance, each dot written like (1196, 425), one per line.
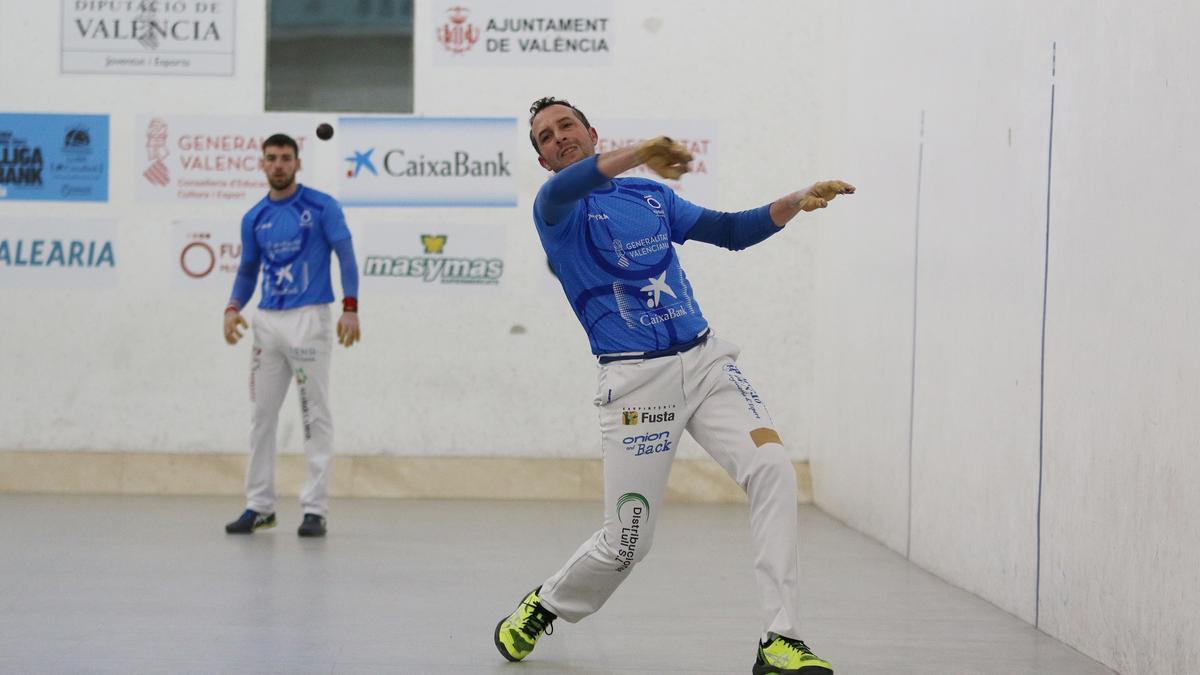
(433, 243)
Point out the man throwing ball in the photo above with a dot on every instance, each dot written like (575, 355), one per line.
(290, 235)
(661, 370)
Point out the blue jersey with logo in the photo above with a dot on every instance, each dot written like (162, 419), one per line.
(614, 254)
(293, 239)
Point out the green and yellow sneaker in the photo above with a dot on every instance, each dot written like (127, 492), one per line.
(517, 633)
(788, 656)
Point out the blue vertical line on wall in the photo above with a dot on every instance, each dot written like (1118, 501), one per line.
(912, 379)
(1037, 585)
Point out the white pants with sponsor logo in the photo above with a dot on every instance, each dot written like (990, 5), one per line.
(290, 343)
(644, 407)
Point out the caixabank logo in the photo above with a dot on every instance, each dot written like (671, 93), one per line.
(433, 266)
(399, 163)
(427, 161)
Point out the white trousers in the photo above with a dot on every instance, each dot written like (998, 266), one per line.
(290, 343)
(645, 406)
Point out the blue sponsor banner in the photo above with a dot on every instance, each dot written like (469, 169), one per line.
(427, 161)
(54, 157)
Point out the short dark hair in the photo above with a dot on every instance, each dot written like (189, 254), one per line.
(545, 102)
(281, 140)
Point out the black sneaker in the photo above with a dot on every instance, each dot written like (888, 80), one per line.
(313, 526)
(249, 521)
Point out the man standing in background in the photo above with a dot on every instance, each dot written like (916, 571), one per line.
(661, 370)
(290, 235)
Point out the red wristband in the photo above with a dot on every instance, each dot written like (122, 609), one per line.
(232, 308)
(349, 304)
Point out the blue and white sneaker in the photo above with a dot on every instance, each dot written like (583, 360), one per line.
(249, 521)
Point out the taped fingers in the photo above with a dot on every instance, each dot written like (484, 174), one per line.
(665, 157)
(812, 203)
(668, 169)
(232, 322)
(348, 331)
(828, 189)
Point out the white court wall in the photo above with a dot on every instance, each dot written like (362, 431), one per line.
(142, 367)
(1120, 546)
(1075, 513)
(901, 352)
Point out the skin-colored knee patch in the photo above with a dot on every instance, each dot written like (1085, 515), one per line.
(763, 435)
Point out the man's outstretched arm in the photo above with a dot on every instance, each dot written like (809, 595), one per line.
(558, 196)
(736, 231)
(816, 196)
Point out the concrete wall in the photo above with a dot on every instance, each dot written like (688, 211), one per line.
(932, 433)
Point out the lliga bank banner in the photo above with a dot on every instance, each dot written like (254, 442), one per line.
(427, 161)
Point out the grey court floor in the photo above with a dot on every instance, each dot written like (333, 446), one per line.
(153, 585)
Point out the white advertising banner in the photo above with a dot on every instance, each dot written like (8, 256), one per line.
(205, 255)
(148, 37)
(412, 258)
(522, 32)
(57, 253)
(699, 186)
(427, 161)
(212, 159)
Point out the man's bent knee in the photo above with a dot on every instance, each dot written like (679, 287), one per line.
(627, 543)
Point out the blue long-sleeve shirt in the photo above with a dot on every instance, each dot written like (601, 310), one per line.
(610, 242)
(291, 241)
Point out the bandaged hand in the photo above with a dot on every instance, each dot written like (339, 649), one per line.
(665, 157)
(347, 329)
(233, 320)
(818, 195)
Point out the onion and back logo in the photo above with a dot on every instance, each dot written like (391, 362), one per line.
(456, 35)
(434, 266)
(156, 152)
